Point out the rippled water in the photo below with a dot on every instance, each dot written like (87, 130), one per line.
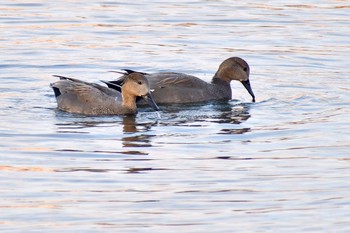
(278, 165)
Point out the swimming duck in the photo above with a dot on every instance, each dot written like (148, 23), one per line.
(81, 97)
(171, 87)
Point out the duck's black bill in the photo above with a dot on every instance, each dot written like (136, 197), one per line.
(247, 86)
(149, 99)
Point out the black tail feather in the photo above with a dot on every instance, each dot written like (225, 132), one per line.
(116, 85)
(60, 76)
(128, 71)
(56, 91)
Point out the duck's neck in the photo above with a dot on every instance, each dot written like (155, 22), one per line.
(222, 87)
(129, 102)
(219, 79)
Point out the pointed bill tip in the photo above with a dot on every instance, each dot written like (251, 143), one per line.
(149, 99)
(247, 86)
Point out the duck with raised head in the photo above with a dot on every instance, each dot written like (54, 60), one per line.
(171, 87)
(81, 97)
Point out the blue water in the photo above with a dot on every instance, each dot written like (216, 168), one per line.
(278, 165)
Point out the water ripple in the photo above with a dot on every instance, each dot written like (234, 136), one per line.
(268, 166)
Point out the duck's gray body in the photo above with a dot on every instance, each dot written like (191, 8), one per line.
(171, 87)
(81, 97)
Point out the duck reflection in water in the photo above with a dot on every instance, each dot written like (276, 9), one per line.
(136, 135)
(131, 137)
(222, 112)
(232, 116)
(231, 113)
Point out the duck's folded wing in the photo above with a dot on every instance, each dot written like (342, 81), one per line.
(163, 80)
(82, 93)
(169, 79)
(85, 86)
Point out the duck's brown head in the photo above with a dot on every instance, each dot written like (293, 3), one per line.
(235, 68)
(136, 84)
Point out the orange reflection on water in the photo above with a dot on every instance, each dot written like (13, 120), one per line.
(25, 169)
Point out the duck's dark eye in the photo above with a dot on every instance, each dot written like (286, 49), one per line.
(139, 82)
(245, 69)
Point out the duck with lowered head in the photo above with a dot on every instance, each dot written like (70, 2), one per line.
(171, 87)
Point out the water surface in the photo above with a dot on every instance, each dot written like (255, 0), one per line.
(277, 165)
